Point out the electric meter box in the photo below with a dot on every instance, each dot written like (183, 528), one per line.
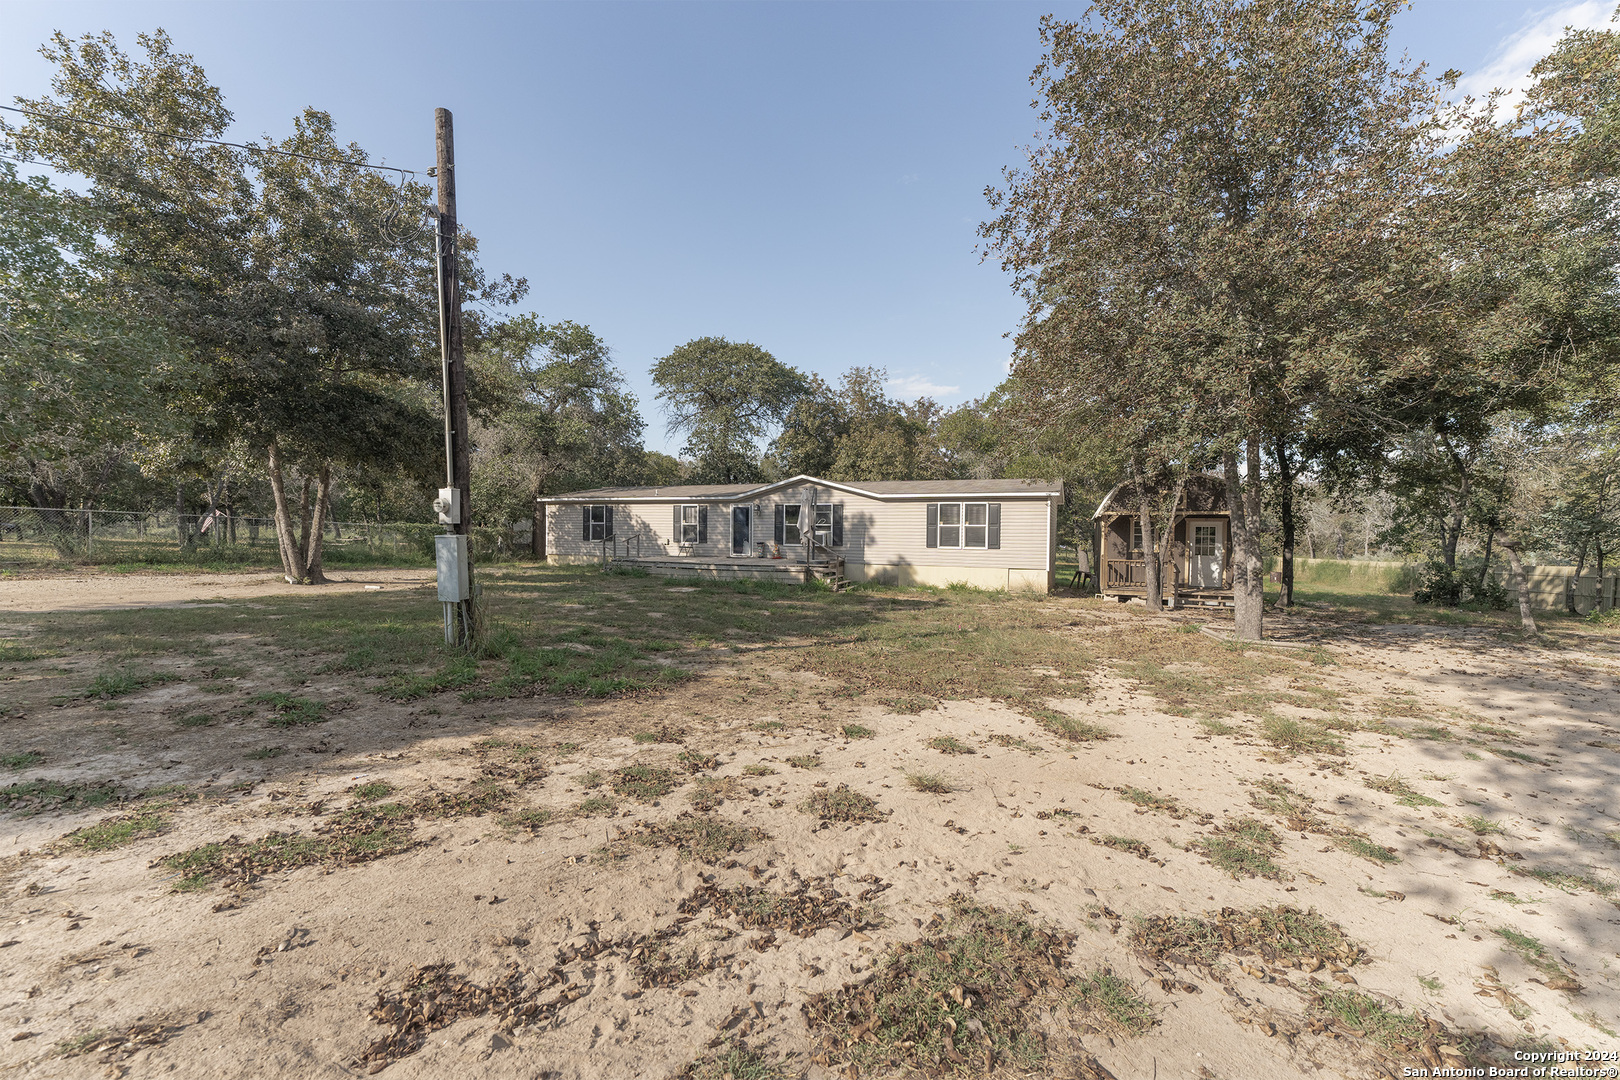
(454, 580)
(448, 506)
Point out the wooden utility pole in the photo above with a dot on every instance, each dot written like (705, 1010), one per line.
(457, 451)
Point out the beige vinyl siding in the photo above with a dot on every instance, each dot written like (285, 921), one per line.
(652, 522)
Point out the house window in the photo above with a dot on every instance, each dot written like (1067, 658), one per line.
(975, 524)
(1204, 540)
(596, 523)
(950, 524)
(689, 524)
(791, 520)
(824, 524)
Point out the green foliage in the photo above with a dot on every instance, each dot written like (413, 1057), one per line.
(855, 433)
(1437, 583)
(725, 397)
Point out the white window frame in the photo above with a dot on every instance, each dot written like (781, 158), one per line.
(792, 521)
(598, 527)
(1199, 532)
(958, 534)
(689, 524)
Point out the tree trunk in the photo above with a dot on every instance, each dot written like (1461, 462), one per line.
(316, 531)
(1150, 555)
(303, 518)
(1520, 582)
(292, 553)
(1451, 532)
(1248, 584)
(1485, 567)
(1285, 484)
(1575, 582)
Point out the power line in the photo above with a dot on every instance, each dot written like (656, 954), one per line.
(404, 174)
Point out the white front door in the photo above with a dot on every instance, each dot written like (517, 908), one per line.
(1208, 557)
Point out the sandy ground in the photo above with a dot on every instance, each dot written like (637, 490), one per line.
(34, 594)
(279, 977)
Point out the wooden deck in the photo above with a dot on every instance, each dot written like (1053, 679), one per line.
(741, 569)
(1127, 578)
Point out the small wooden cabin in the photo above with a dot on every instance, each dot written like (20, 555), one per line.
(1197, 566)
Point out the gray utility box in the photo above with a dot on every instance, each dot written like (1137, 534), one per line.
(454, 580)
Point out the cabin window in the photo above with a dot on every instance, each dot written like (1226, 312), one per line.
(1204, 540)
(689, 524)
(792, 519)
(1136, 538)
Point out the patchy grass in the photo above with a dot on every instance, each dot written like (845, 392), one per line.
(704, 837)
(856, 731)
(1013, 742)
(1128, 845)
(973, 983)
(664, 734)
(758, 770)
(372, 791)
(1148, 800)
(1068, 727)
(1271, 933)
(195, 720)
(1363, 848)
(805, 761)
(591, 780)
(1480, 826)
(265, 753)
(122, 681)
(1116, 1001)
(115, 832)
(1404, 793)
(36, 796)
(531, 820)
(696, 761)
(930, 783)
(1244, 849)
(945, 744)
(596, 806)
(736, 1062)
(1296, 809)
(25, 760)
(1567, 880)
(842, 804)
(708, 792)
(1300, 736)
(289, 711)
(1385, 1026)
(346, 842)
(644, 783)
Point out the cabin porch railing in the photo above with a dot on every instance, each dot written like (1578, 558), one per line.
(1127, 573)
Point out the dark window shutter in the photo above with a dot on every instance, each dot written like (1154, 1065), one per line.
(586, 510)
(838, 525)
(703, 524)
(607, 528)
(677, 523)
(994, 520)
(781, 522)
(933, 525)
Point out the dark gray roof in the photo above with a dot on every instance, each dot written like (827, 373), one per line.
(878, 488)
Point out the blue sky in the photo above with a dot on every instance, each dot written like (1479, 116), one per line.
(805, 176)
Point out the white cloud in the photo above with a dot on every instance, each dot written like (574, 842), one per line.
(916, 386)
(1509, 65)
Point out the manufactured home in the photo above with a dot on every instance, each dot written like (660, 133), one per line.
(1197, 567)
(992, 534)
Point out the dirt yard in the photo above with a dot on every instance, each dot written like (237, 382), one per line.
(659, 830)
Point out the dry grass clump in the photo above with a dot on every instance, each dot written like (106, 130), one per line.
(704, 837)
(930, 783)
(1126, 844)
(945, 744)
(709, 792)
(1404, 793)
(842, 804)
(1243, 849)
(644, 783)
(696, 761)
(354, 837)
(806, 906)
(737, 1062)
(1121, 1009)
(963, 998)
(1275, 934)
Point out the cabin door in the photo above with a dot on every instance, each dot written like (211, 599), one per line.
(1208, 557)
(742, 521)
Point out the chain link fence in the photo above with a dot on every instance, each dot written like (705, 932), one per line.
(32, 535)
